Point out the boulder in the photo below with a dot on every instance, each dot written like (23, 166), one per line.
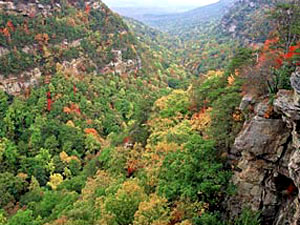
(247, 100)
(263, 138)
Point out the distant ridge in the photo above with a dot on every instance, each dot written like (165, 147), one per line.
(169, 22)
(139, 12)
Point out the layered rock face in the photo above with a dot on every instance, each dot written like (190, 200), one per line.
(267, 156)
(14, 85)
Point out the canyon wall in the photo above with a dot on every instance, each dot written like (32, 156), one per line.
(266, 158)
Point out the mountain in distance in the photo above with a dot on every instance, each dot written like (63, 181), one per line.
(171, 22)
(139, 13)
(194, 36)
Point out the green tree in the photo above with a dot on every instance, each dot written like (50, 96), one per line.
(3, 108)
(8, 155)
(194, 173)
(248, 217)
(210, 219)
(287, 18)
(11, 188)
(52, 144)
(3, 219)
(125, 202)
(92, 145)
(24, 218)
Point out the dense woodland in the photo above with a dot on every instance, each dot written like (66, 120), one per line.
(145, 147)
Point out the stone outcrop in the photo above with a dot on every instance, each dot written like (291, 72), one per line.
(120, 66)
(34, 7)
(267, 156)
(75, 68)
(15, 85)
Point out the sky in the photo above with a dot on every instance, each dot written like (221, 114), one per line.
(158, 3)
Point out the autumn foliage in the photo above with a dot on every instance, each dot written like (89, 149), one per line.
(49, 101)
(272, 68)
(91, 131)
(270, 51)
(293, 54)
(7, 30)
(87, 8)
(73, 108)
(42, 39)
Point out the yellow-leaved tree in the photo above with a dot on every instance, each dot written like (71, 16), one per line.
(55, 180)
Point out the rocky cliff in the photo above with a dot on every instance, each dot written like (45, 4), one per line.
(267, 158)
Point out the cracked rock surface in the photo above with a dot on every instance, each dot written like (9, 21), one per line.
(267, 156)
